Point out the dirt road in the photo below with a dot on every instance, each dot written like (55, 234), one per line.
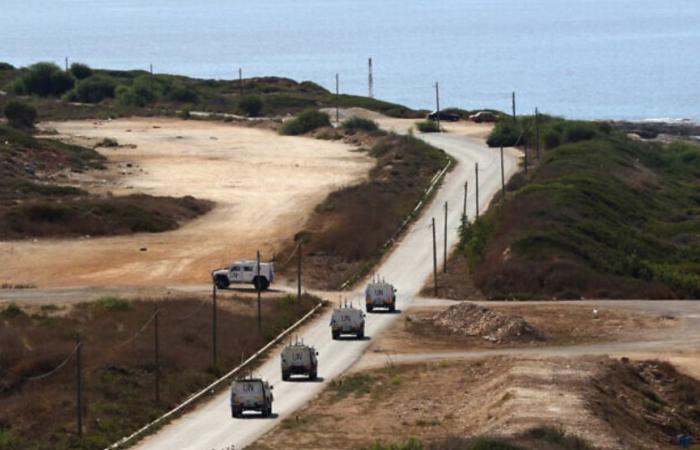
(408, 266)
(264, 185)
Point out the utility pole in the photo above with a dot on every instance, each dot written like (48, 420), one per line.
(435, 281)
(525, 149)
(444, 251)
(214, 359)
(79, 386)
(437, 103)
(240, 82)
(513, 102)
(537, 132)
(257, 287)
(476, 171)
(150, 69)
(157, 352)
(337, 98)
(503, 177)
(464, 208)
(66, 64)
(299, 273)
(370, 80)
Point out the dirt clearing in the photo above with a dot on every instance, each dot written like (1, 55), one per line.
(265, 187)
(434, 328)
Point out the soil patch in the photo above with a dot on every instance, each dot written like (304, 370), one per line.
(471, 320)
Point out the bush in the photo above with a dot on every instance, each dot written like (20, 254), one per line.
(80, 71)
(505, 134)
(107, 142)
(250, 105)
(428, 126)
(43, 79)
(10, 311)
(92, 90)
(358, 123)
(306, 121)
(179, 92)
(144, 90)
(20, 115)
(6, 66)
(113, 304)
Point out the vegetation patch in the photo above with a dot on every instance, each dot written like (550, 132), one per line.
(359, 123)
(119, 370)
(600, 216)
(307, 120)
(428, 126)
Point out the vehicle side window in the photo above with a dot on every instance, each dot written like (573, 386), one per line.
(248, 269)
(236, 269)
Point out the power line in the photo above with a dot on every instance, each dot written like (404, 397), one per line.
(43, 375)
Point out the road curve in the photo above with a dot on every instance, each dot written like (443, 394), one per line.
(210, 426)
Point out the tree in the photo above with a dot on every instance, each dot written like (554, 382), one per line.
(19, 114)
(43, 79)
(250, 105)
(80, 71)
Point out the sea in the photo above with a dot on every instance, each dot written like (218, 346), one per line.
(588, 59)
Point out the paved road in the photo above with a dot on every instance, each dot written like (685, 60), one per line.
(408, 266)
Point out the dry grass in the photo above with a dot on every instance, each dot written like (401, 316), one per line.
(118, 373)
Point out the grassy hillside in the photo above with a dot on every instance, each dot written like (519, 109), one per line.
(602, 216)
(36, 201)
(91, 93)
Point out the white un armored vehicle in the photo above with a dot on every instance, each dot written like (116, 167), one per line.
(380, 294)
(251, 394)
(299, 359)
(243, 272)
(348, 320)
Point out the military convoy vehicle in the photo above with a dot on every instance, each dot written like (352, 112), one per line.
(251, 394)
(347, 320)
(299, 359)
(380, 294)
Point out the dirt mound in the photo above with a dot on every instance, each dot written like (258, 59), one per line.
(469, 319)
(649, 404)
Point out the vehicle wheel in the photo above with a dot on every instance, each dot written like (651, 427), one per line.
(336, 335)
(370, 308)
(236, 413)
(361, 334)
(221, 282)
(313, 375)
(267, 412)
(261, 283)
(392, 307)
(285, 376)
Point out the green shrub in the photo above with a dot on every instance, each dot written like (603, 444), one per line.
(428, 126)
(144, 90)
(10, 311)
(113, 304)
(43, 79)
(6, 66)
(306, 121)
(92, 90)
(19, 114)
(107, 142)
(551, 139)
(80, 71)
(579, 131)
(182, 93)
(250, 105)
(506, 133)
(358, 123)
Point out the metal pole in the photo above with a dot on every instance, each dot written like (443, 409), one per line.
(464, 208)
(437, 103)
(79, 386)
(151, 69)
(435, 280)
(240, 82)
(299, 273)
(444, 251)
(337, 98)
(371, 80)
(214, 359)
(66, 64)
(513, 101)
(157, 353)
(476, 171)
(257, 288)
(537, 132)
(503, 176)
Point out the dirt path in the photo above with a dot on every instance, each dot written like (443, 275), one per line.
(265, 186)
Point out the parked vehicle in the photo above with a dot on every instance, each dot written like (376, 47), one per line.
(299, 359)
(347, 320)
(380, 294)
(244, 272)
(483, 116)
(443, 115)
(251, 394)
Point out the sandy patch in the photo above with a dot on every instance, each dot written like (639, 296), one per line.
(265, 187)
